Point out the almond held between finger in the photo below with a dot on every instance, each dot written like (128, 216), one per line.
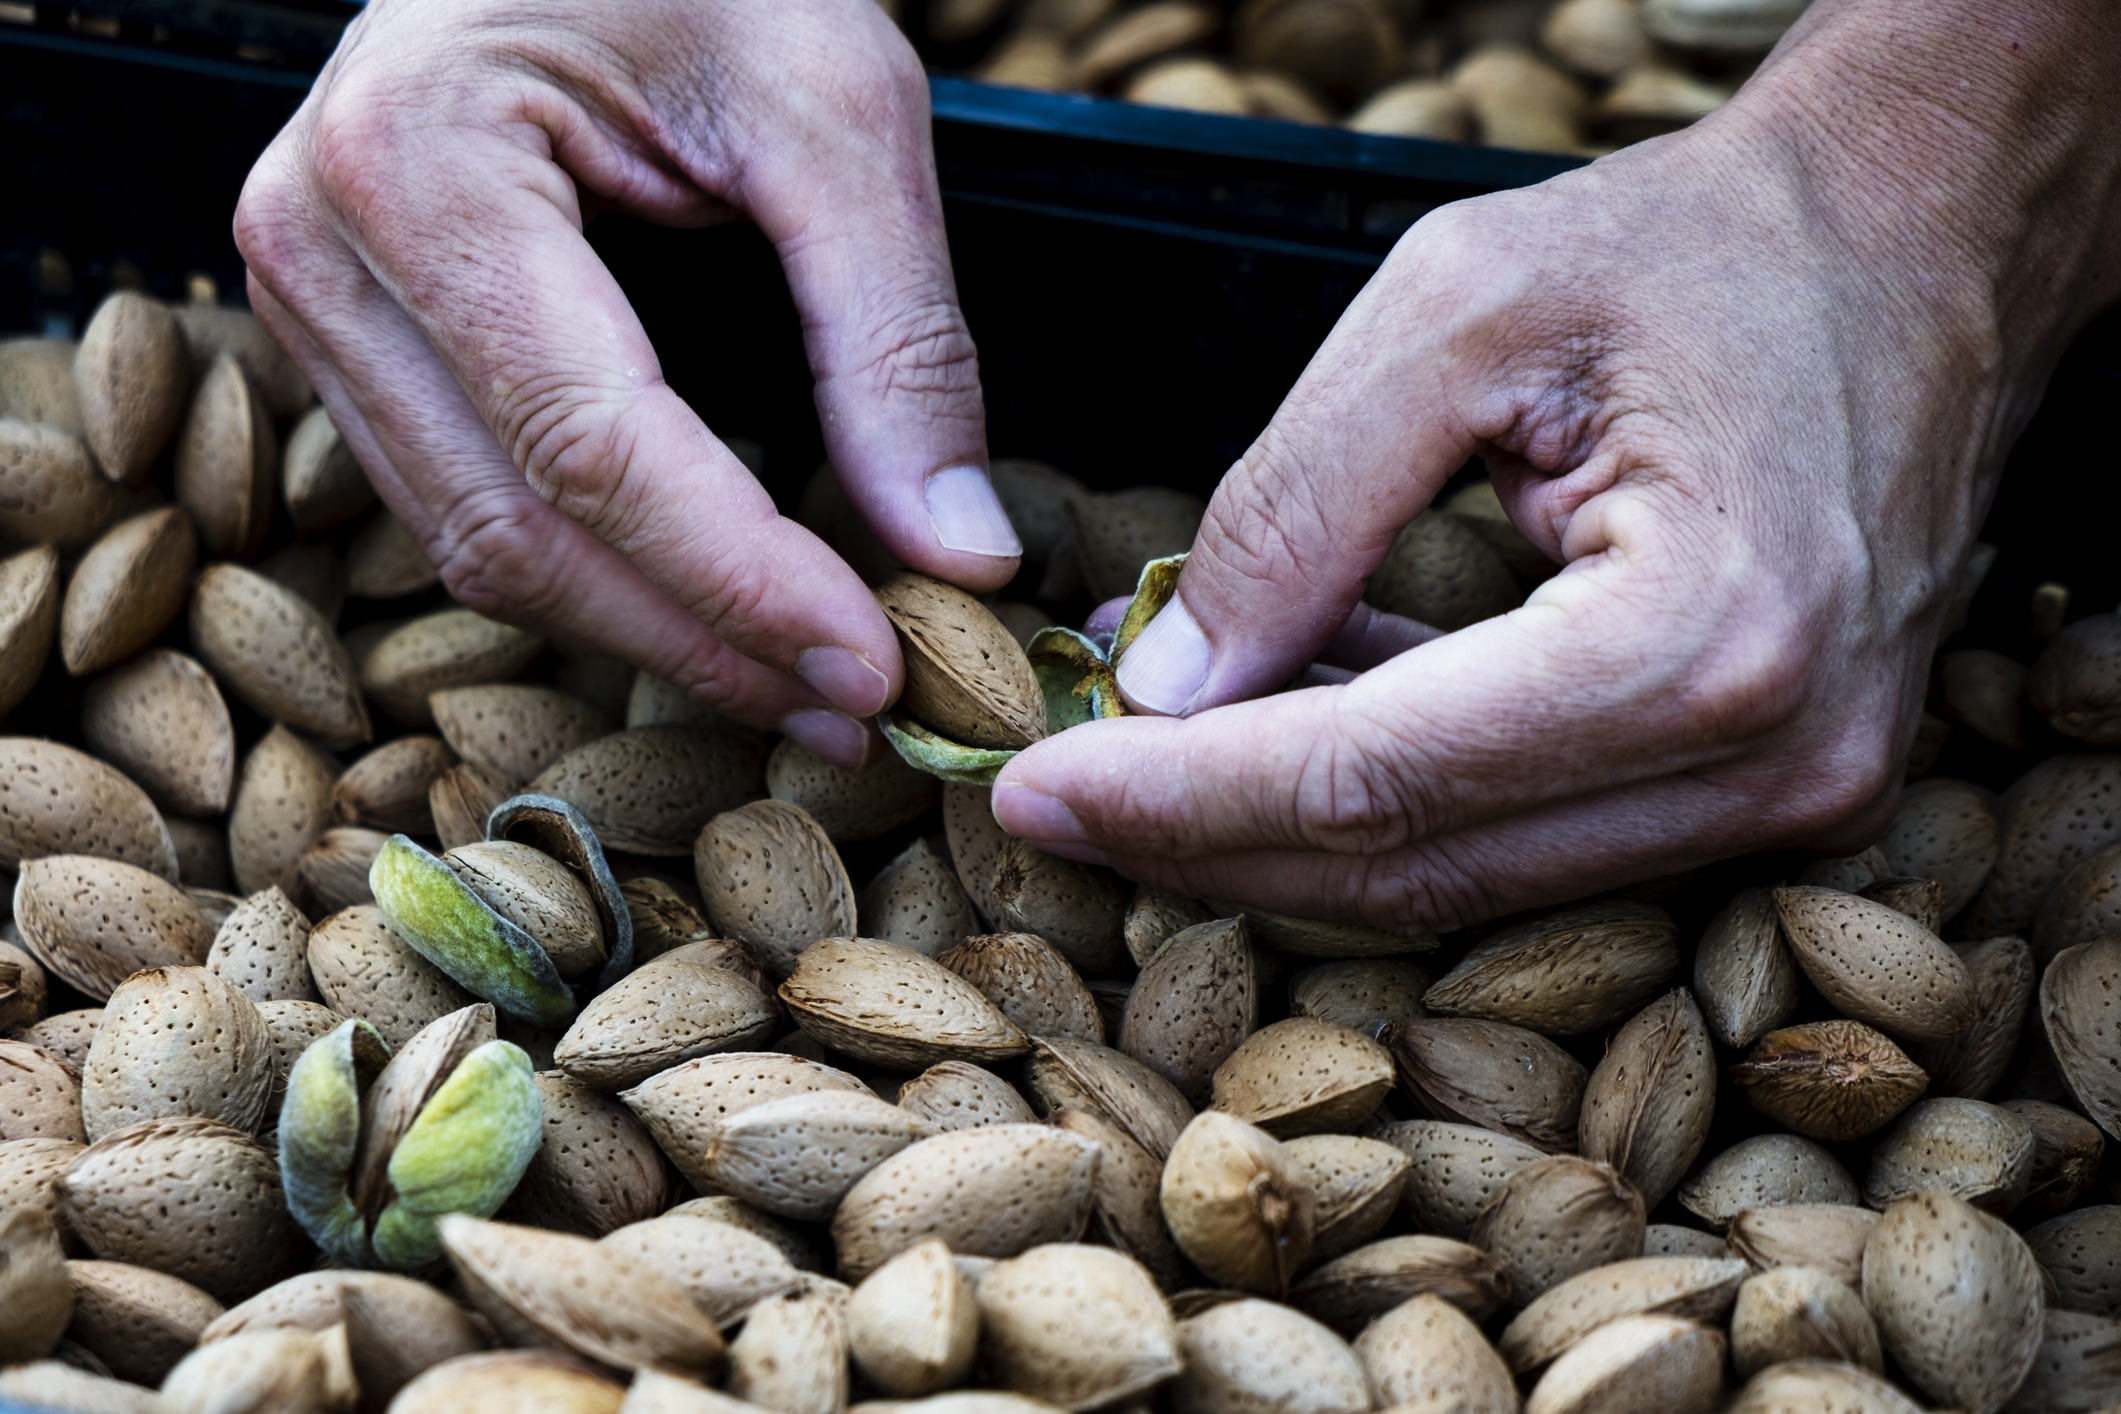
(1078, 908)
(1956, 1295)
(725, 1269)
(682, 1106)
(515, 729)
(227, 460)
(1491, 1074)
(1030, 982)
(177, 1041)
(1829, 1236)
(770, 878)
(989, 1192)
(95, 922)
(1582, 969)
(1555, 1218)
(449, 648)
(29, 619)
(1763, 1171)
(1744, 972)
(132, 373)
(1194, 1004)
(1080, 1326)
(137, 1321)
(1877, 965)
(387, 789)
(917, 902)
(1425, 1354)
(1829, 1080)
(161, 720)
(966, 678)
(283, 802)
(40, 1095)
(893, 1008)
(1979, 1152)
(649, 790)
(56, 800)
(1063, 1074)
(1639, 1362)
(1801, 1313)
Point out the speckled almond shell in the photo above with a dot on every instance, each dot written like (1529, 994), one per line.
(966, 677)
(1194, 1004)
(323, 481)
(770, 878)
(50, 491)
(1876, 965)
(890, 1007)
(2081, 1254)
(262, 949)
(797, 1156)
(385, 559)
(1064, 1074)
(1744, 972)
(177, 1041)
(723, 1268)
(56, 800)
(958, 1095)
(1691, 1288)
(1154, 917)
(597, 1169)
(648, 791)
(1304, 1076)
(463, 798)
(448, 648)
(1829, 1080)
(133, 375)
(664, 1013)
(1824, 1386)
(515, 729)
(387, 789)
(227, 454)
(975, 840)
(1972, 1063)
(1763, 1170)
(792, 1353)
(1080, 1326)
(29, 1175)
(1239, 1204)
(137, 1321)
(274, 651)
(1360, 994)
(1441, 571)
(1956, 1295)
(1977, 1151)
(682, 1106)
(2061, 810)
(364, 969)
(1081, 909)
(334, 869)
(283, 802)
(191, 1197)
(37, 382)
(1489, 1073)
(538, 894)
(292, 1027)
(1637, 1362)
(2082, 1016)
(917, 902)
(662, 917)
(94, 922)
(1455, 1170)
(1426, 1354)
(1557, 1217)
(1355, 1183)
(1647, 1105)
(1829, 1236)
(1117, 534)
(1353, 1290)
(913, 1326)
(850, 805)
(1128, 1208)
(161, 720)
(991, 1192)
(1030, 982)
(1257, 1357)
(584, 1297)
(2067, 1149)
(29, 616)
(40, 1095)
(1579, 970)
(1945, 830)
(789, 1240)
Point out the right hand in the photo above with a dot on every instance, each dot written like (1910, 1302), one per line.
(415, 239)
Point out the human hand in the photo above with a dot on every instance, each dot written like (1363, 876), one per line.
(415, 240)
(1752, 383)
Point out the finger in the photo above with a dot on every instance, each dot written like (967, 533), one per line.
(503, 551)
(529, 323)
(1370, 637)
(847, 192)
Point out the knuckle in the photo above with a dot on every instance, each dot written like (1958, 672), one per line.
(1354, 798)
(353, 146)
(494, 561)
(924, 349)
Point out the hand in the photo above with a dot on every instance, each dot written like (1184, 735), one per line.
(1751, 382)
(415, 240)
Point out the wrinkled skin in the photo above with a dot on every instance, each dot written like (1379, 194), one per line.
(1752, 383)
(415, 240)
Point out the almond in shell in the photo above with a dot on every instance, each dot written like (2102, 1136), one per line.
(538, 894)
(792, 1354)
(1829, 1236)
(2067, 1149)
(1030, 982)
(1455, 1171)
(1764, 1171)
(1239, 1203)
(283, 802)
(1489, 1073)
(1426, 1354)
(1829, 1080)
(683, 1106)
(276, 653)
(1306, 937)
(596, 1170)
(323, 481)
(2083, 906)
(1919, 899)
(36, 1295)
(40, 1095)
(449, 648)
(1956, 1295)
(1117, 534)
(29, 617)
(211, 330)
(976, 841)
(1304, 1076)
(498, 1381)
(2083, 1021)
(1078, 908)
(1876, 965)
(1082, 1327)
(1557, 1217)
(161, 720)
(1352, 1290)
(725, 1269)
(1647, 1107)
(913, 1325)
(663, 917)
(1672, 1240)
(281, 1369)
(29, 1177)
(513, 729)
(177, 1041)
(23, 988)
(666, 1012)
(1256, 1357)
(94, 922)
(784, 1238)
(1801, 1313)
(917, 902)
(2078, 1365)
(462, 798)
(50, 492)
(850, 805)
(1355, 1185)
(385, 560)
(388, 788)
(2057, 813)
(334, 869)
(2080, 1255)
(1744, 973)
(364, 969)
(1440, 571)
(132, 373)
(139, 1322)
(1582, 969)
(771, 878)
(891, 1007)
(1691, 1288)
(56, 800)
(797, 1156)
(1946, 830)
(1638, 1362)
(648, 791)
(262, 949)
(956, 1095)
(227, 462)
(966, 677)
(1065, 1074)
(1129, 1211)
(37, 382)
(1360, 995)
(1195, 1003)
(1972, 1063)
(1980, 1152)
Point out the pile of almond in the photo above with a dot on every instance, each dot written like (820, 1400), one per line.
(415, 1016)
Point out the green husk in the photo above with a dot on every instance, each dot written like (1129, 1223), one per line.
(464, 1154)
(452, 927)
(923, 750)
(1075, 678)
(320, 1127)
(1158, 582)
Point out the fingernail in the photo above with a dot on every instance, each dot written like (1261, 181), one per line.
(833, 735)
(1165, 669)
(968, 516)
(1031, 814)
(844, 678)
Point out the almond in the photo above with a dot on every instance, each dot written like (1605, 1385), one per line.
(1128, 1207)
(1304, 1076)
(276, 653)
(1350, 1291)
(1876, 965)
(792, 1355)
(1801, 1313)
(648, 791)
(1672, 1240)
(23, 988)
(1303, 937)
(1764, 1171)
(334, 869)
(29, 1177)
(1829, 1236)
(789, 1241)
(966, 678)
(1690, 1288)
(1117, 534)
(37, 382)
(917, 902)
(1425, 1354)
(1647, 1107)
(1491, 1074)
(989, 1192)
(1639, 1362)
(2055, 814)
(2078, 1365)
(262, 950)
(1920, 900)
(515, 729)
(1455, 1171)
(597, 1168)
(683, 1106)
(50, 491)
(1823, 1386)
(1829, 1080)
(324, 483)
(1557, 1217)
(364, 969)
(137, 1321)
(1945, 830)
(291, 1027)
(1956, 1296)
(132, 373)
(976, 842)
(1078, 908)
(211, 330)
(385, 560)
(913, 1325)
(667, 1012)
(56, 800)
(36, 1295)
(1030, 982)
(1193, 1005)
(94, 922)
(1083, 1327)
(29, 617)
(1063, 1074)
(177, 1041)
(191, 1197)
(955, 1095)
(387, 789)
(724, 1269)
(1360, 995)
(1579, 970)
(1972, 1063)
(40, 1095)
(2080, 1253)
(283, 802)
(462, 798)
(2082, 1019)
(256, 1370)
(1355, 1184)
(1239, 1203)
(2067, 1148)
(161, 720)
(1440, 571)
(797, 1156)
(448, 648)
(1154, 917)
(771, 878)
(227, 455)
(1255, 1357)
(850, 805)
(538, 894)
(663, 918)
(891, 1007)
(1979, 1152)
(499, 1381)
(1744, 972)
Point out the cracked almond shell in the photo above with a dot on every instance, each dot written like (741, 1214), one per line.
(966, 677)
(94, 922)
(56, 800)
(891, 1007)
